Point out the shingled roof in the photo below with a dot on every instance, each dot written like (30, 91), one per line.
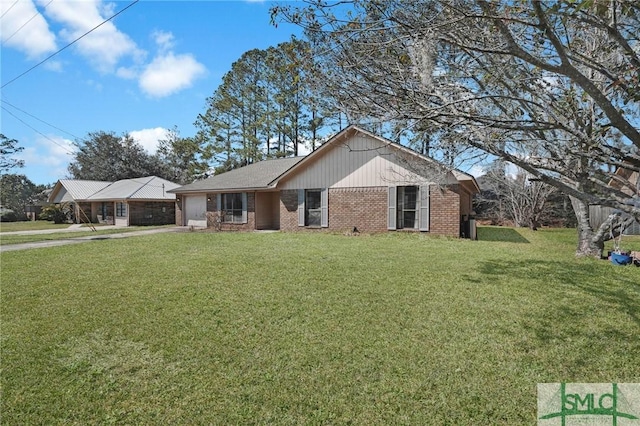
(258, 175)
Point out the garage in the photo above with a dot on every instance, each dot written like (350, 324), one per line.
(195, 210)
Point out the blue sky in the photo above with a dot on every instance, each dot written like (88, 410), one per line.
(147, 70)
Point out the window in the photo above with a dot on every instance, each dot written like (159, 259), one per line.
(313, 207)
(121, 210)
(407, 216)
(232, 208)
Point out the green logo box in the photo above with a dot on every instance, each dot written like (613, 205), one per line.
(588, 404)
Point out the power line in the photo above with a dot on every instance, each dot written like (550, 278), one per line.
(68, 45)
(37, 131)
(40, 120)
(25, 24)
(10, 7)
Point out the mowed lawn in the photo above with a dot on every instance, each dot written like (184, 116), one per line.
(285, 328)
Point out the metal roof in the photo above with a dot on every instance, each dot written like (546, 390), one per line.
(254, 176)
(70, 190)
(144, 188)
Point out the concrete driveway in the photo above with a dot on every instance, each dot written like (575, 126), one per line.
(77, 240)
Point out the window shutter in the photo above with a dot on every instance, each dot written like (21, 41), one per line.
(324, 206)
(423, 221)
(244, 207)
(300, 207)
(391, 219)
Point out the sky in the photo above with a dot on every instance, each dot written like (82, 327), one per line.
(147, 70)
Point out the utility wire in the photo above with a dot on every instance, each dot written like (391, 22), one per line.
(37, 131)
(10, 7)
(25, 24)
(68, 45)
(40, 120)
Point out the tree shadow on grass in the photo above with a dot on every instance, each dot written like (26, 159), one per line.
(576, 316)
(623, 292)
(505, 235)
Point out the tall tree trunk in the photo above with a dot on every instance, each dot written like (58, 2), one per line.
(589, 244)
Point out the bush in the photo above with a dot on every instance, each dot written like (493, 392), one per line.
(58, 213)
(7, 215)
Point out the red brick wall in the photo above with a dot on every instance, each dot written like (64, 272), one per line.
(151, 213)
(367, 209)
(289, 210)
(445, 210)
(363, 208)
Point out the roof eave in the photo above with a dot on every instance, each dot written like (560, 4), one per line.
(212, 190)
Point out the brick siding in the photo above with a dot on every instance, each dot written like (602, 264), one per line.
(289, 210)
(151, 213)
(363, 208)
(444, 210)
(367, 210)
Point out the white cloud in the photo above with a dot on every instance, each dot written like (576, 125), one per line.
(52, 155)
(164, 40)
(105, 46)
(127, 73)
(149, 138)
(169, 74)
(25, 29)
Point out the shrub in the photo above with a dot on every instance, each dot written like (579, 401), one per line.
(58, 213)
(7, 215)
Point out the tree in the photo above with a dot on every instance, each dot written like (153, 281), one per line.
(107, 157)
(557, 81)
(16, 191)
(183, 157)
(265, 107)
(9, 147)
(515, 197)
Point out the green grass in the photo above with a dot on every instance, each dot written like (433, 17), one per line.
(64, 235)
(30, 226)
(247, 328)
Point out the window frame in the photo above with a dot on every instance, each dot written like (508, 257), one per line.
(121, 209)
(237, 212)
(401, 206)
(317, 210)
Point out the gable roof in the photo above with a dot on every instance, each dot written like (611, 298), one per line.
(144, 188)
(67, 190)
(266, 174)
(352, 130)
(260, 175)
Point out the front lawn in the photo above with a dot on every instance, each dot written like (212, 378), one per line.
(284, 328)
(30, 226)
(67, 235)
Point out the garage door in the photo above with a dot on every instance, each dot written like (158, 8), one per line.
(195, 210)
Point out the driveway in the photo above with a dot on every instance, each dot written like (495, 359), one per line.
(77, 240)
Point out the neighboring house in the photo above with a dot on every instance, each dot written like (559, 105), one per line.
(139, 201)
(355, 180)
(628, 182)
